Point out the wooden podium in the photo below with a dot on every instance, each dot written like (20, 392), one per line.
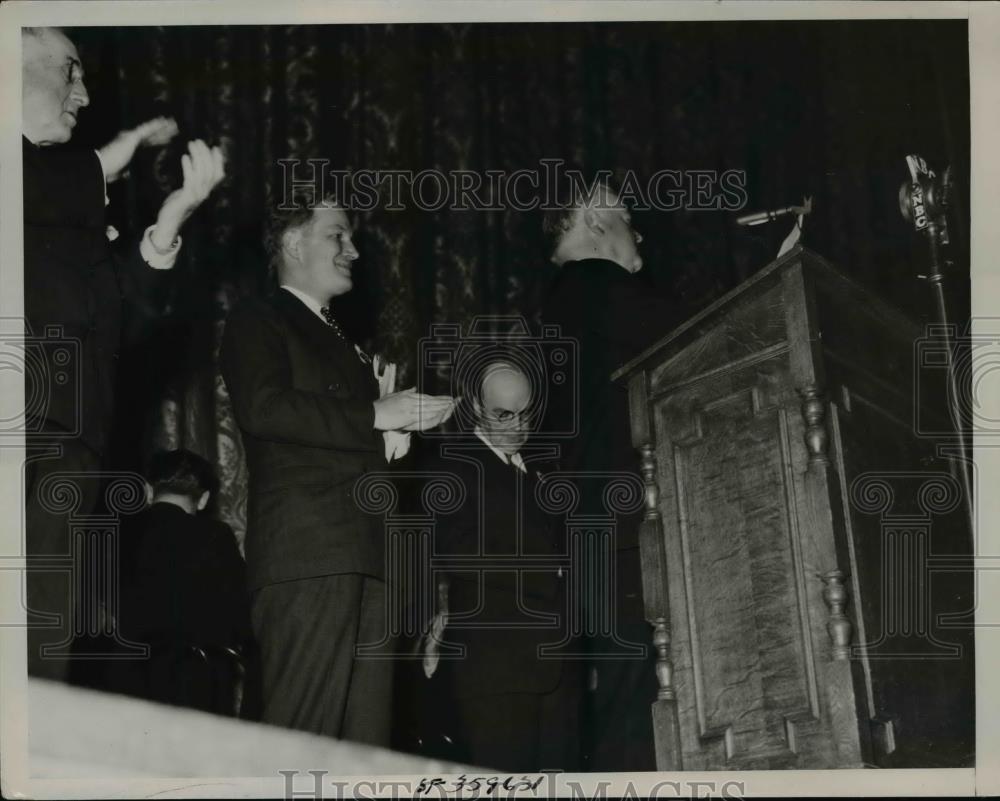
(805, 549)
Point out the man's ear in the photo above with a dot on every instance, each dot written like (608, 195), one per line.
(290, 243)
(203, 500)
(149, 492)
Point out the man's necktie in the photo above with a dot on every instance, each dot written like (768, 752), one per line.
(332, 322)
(515, 461)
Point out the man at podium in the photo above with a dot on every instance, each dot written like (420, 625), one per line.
(597, 299)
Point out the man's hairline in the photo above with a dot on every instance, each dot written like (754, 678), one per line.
(39, 34)
(308, 221)
(588, 200)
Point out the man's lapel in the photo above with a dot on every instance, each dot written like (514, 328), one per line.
(338, 351)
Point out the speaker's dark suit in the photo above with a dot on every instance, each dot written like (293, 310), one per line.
(612, 315)
(315, 562)
(75, 293)
(515, 709)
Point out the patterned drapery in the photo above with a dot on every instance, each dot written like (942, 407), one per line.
(822, 108)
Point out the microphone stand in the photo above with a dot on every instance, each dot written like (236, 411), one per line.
(923, 201)
(936, 280)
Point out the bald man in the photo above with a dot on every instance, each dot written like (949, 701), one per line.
(75, 291)
(513, 708)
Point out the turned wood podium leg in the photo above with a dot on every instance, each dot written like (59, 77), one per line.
(666, 724)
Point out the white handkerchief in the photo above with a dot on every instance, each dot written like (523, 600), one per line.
(397, 443)
(432, 653)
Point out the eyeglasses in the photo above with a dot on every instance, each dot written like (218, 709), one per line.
(504, 415)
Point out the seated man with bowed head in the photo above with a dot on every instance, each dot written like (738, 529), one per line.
(512, 707)
(312, 416)
(184, 590)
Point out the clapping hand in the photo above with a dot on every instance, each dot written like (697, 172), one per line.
(203, 169)
(116, 154)
(410, 410)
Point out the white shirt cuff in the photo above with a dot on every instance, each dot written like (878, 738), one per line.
(155, 259)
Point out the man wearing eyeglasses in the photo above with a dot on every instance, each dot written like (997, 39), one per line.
(513, 707)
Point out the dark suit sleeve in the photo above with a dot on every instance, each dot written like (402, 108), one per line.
(257, 372)
(452, 527)
(146, 292)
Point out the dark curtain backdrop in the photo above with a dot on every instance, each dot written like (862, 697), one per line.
(829, 109)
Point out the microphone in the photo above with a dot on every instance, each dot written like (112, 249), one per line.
(924, 199)
(760, 217)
